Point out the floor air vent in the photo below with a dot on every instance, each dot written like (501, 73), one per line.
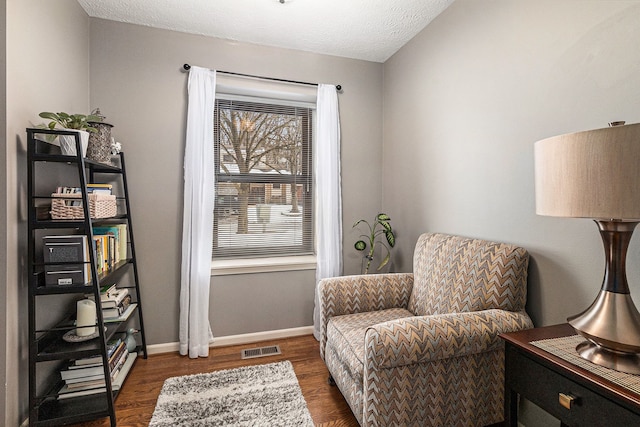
(250, 353)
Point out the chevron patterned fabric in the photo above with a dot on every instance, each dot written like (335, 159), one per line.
(360, 294)
(457, 274)
(400, 359)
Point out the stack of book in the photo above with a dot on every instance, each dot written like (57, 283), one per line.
(116, 303)
(91, 188)
(105, 189)
(110, 245)
(86, 376)
(104, 246)
(99, 188)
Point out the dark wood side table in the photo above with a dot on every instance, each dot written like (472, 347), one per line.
(574, 395)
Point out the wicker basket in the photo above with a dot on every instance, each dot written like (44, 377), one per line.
(69, 206)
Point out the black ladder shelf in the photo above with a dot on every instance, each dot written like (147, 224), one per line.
(52, 306)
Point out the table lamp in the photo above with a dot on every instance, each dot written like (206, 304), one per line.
(596, 174)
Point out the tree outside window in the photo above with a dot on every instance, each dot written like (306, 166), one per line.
(263, 179)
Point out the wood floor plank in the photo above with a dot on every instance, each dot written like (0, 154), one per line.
(137, 399)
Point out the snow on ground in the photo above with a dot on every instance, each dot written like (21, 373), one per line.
(278, 228)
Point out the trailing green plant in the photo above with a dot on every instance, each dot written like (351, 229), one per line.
(71, 121)
(379, 227)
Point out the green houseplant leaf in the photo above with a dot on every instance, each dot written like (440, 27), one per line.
(391, 238)
(379, 226)
(385, 261)
(385, 224)
(360, 245)
(71, 121)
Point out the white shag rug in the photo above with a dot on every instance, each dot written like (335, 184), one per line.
(259, 395)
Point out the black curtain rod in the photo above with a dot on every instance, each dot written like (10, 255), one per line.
(187, 67)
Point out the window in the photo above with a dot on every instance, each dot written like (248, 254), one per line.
(263, 179)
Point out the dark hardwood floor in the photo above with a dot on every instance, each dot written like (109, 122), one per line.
(137, 399)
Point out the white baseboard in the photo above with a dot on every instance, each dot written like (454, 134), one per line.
(236, 339)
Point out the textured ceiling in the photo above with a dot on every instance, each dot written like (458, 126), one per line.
(371, 30)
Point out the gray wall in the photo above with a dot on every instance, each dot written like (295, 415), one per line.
(464, 102)
(47, 58)
(137, 83)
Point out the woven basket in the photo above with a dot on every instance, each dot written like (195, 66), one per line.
(69, 206)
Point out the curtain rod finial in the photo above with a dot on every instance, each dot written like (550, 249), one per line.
(338, 88)
(186, 67)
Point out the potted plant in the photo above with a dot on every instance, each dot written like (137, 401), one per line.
(381, 227)
(77, 122)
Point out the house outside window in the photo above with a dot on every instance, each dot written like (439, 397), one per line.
(264, 194)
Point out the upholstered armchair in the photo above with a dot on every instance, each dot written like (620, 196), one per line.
(422, 348)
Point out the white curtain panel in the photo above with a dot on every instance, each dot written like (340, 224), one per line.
(328, 204)
(197, 226)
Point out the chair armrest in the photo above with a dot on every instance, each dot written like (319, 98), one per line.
(359, 294)
(428, 338)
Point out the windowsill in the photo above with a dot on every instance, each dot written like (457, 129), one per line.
(227, 267)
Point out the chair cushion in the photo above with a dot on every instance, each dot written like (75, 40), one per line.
(454, 274)
(346, 335)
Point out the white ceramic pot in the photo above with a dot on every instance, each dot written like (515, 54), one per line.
(68, 143)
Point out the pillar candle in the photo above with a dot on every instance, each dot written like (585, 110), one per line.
(86, 317)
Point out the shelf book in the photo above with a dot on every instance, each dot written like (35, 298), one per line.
(124, 316)
(114, 301)
(119, 233)
(117, 380)
(99, 188)
(118, 310)
(83, 379)
(95, 188)
(112, 345)
(112, 297)
(104, 245)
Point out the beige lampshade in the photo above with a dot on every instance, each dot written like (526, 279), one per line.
(591, 174)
